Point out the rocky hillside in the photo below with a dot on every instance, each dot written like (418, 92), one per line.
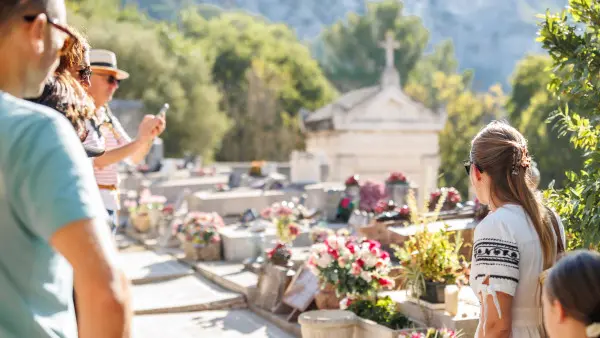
(489, 36)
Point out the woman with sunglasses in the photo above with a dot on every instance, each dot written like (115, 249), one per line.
(76, 60)
(513, 244)
(572, 296)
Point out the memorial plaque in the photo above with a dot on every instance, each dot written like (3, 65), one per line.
(302, 290)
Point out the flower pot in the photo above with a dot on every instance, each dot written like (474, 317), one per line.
(141, 222)
(202, 252)
(326, 299)
(327, 323)
(434, 293)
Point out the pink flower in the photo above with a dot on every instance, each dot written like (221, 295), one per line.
(345, 303)
(351, 247)
(342, 262)
(334, 253)
(356, 269)
(345, 202)
(360, 263)
(294, 231)
(384, 255)
(372, 244)
(386, 282)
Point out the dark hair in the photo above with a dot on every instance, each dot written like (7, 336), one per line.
(575, 282)
(501, 152)
(64, 94)
(12, 8)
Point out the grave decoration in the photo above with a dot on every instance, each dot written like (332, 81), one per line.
(431, 333)
(345, 208)
(371, 193)
(452, 201)
(390, 211)
(286, 229)
(428, 272)
(319, 234)
(200, 237)
(279, 255)
(348, 266)
(352, 181)
(145, 213)
(397, 186)
(256, 169)
(381, 310)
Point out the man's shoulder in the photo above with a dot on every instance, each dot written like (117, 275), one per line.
(20, 113)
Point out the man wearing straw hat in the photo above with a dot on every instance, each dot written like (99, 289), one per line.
(53, 230)
(105, 80)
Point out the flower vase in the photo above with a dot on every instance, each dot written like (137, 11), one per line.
(202, 252)
(326, 298)
(434, 292)
(141, 222)
(397, 192)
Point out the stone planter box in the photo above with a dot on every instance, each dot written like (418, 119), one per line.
(327, 324)
(209, 252)
(366, 328)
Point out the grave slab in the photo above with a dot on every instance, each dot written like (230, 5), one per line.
(191, 293)
(225, 324)
(172, 188)
(148, 266)
(231, 276)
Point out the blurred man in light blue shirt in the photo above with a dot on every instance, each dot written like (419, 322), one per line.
(52, 220)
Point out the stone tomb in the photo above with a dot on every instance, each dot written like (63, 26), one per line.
(226, 324)
(239, 243)
(172, 188)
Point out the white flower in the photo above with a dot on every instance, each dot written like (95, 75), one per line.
(370, 261)
(332, 242)
(366, 275)
(344, 303)
(319, 248)
(324, 261)
(341, 242)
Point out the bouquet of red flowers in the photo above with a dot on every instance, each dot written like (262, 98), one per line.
(352, 180)
(452, 199)
(397, 178)
(279, 255)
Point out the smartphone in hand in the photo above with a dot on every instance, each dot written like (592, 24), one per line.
(163, 110)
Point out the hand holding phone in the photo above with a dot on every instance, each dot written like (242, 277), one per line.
(163, 110)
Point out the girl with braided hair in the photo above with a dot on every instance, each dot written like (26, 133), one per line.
(516, 241)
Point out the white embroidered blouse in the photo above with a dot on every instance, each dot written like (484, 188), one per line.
(507, 250)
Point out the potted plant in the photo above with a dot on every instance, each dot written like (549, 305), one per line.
(256, 169)
(200, 237)
(430, 259)
(451, 202)
(347, 266)
(279, 255)
(146, 213)
(377, 317)
(370, 194)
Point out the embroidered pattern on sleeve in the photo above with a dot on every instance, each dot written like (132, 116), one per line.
(499, 256)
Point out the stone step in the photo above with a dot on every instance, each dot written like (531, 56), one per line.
(148, 266)
(185, 294)
(231, 276)
(226, 324)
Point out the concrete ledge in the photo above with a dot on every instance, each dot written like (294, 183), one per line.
(280, 321)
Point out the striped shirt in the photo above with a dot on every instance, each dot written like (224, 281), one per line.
(112, 136)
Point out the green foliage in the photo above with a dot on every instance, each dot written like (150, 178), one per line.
(528, 107)
(266, 77)
(382, 311)
(429, 256)
(466, 111)
(164, 67)
(351, 55)
(571, 38)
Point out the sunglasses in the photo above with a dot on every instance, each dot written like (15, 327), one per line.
(470, 163)
(69, 41)
(112, 80)
(85, 73)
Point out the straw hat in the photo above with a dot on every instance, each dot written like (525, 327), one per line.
(105, 61)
